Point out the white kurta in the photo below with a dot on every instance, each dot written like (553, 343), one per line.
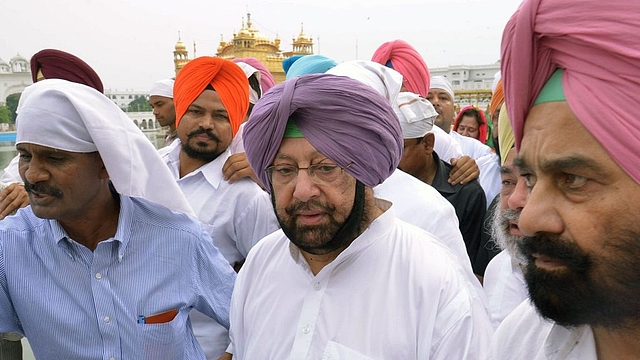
(236, 216)
(489, 179)
(526, 335)
(394, 293)
(445, 146)
(11, 173)
(505, 287)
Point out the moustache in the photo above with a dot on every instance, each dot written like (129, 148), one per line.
(555, 246)
(201, 130)
(311, 205)
(42, 189)
(510, 215)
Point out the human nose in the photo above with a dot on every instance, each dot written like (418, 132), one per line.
(34, 171)
(539, 209)
(305, 187)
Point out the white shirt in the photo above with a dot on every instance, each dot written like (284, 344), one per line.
(236, 216)
(445, 146)
(237, 145)
(394, 293)
(526, 335)
(11, 173)
(489, 179)
(470, 146)
(505, 287)
(421, 205)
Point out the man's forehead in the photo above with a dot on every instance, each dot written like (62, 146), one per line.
(297, 149)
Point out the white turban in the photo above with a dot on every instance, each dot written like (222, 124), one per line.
(441, 82)
(72, 117)
(384, 80)
(416, 115)
(248, 71)
(162, 88)
(496, 79)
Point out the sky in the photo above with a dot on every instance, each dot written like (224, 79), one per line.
(130, 43)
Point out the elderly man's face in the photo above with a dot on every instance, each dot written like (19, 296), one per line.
(310, 210)
(205, 130)
(581, 222)
(163, 110)
(505, 219)
(443, 103)
(61, 185)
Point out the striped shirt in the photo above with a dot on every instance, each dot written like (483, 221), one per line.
(72, 303)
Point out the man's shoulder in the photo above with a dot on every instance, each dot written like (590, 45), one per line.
(158, 216)
(522, 334)
(24, 220)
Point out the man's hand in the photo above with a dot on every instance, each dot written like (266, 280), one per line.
(226, 356)
(237, 167)
(464, 170)
(12, 197)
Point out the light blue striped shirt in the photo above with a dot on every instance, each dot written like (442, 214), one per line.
(72, 303)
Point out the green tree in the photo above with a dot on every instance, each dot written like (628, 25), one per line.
(12, 104)
(5, 114)
(140, 104)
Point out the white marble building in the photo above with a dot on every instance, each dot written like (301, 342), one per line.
(15, 76)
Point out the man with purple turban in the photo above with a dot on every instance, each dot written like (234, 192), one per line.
(211, 97)
(343, 267)
(581, 166)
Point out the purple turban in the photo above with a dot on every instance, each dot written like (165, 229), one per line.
(266, 79)
(57, 64)
(597, 44)
(344, 119)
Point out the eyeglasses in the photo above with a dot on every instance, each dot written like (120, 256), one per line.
(320, 174)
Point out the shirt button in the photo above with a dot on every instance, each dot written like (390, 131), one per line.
(120, 256)
(318, 286)
(106, 319)
(112, 358)
(306, 329)
(98, 276)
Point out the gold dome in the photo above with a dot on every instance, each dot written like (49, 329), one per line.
(180, 46)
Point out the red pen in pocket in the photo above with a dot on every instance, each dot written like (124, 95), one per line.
(160, 318)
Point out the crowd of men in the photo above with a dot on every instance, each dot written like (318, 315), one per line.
(346, 213)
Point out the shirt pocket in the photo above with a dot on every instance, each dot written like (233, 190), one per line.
(164, 341)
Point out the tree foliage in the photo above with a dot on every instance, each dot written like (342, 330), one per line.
(12, 105)
(140, 104)
(5, 115)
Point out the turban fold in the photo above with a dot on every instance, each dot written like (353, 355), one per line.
(310, 64)
(162, 88)
(597, 44)
(57, 64)
(482, 128)
(72, 117)
(408, 62)
(266, 78)
(345, 120)
(416, 115)
(497, 99)
(286, 63)
(441, 82)
(505, 134)
(224, 76)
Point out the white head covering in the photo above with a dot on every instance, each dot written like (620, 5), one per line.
(416, 115)
(383, 79)
(441, 82)
(248, 71)
(162, 88)
(496, 79)
(76, 118)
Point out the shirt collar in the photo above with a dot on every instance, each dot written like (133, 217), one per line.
(212, 171)
(562, 341)
(440, 180)
(123, 231)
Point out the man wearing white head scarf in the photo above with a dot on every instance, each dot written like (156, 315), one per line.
(161, 100)
(415, 202)
(106, 251)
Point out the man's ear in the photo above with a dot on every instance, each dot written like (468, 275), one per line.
(428, 142)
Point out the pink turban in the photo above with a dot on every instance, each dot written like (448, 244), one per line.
(266, 79)
(597, 44)
(347, 121)
(57, 64)
(404, 59)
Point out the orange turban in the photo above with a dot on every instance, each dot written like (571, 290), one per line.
(224, 76)
(496, 99)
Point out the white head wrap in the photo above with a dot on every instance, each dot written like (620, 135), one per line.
(496, 79)
(416, 115)
(441, 82)
(384, 80)
(248, 71)
(76, 118)
(162, 88)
